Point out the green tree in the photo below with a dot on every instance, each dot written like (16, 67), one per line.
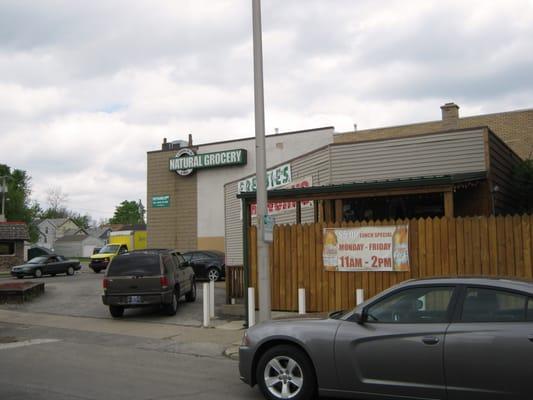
(19, 206)
(128, 212)
(523, 181)
(83, 221)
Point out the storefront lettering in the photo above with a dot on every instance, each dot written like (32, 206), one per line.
(276, 177)
(184, 164)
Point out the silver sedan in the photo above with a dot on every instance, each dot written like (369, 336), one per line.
(439, 338)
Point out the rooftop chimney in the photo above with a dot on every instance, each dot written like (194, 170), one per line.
(164, 146)
(450, 115)
(190, 140)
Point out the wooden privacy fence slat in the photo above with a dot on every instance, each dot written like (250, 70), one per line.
(491, 246)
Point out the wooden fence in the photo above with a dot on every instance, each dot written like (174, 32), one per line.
(438, 247)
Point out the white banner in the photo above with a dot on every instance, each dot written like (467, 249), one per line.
(372, 248)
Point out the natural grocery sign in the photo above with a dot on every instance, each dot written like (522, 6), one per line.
(186, 161)
(371, 248)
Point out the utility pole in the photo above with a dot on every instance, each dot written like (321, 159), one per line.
(4, 191)
(260, 155)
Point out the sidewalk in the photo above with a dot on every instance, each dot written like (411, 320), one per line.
(199, 341)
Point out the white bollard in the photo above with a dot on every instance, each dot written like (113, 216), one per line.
(251, 307)
(301, 301)
(359, 296)
(205, 289)
(211, 299)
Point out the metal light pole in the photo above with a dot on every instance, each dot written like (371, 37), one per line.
(4, 191)
(260, 154)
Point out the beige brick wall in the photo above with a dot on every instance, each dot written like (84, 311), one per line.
(515, 128)
(175, 226)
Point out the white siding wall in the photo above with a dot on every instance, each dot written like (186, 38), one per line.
(279, 149)
(429, 155)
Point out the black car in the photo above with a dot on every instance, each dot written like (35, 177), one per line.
(52, 264)
(207, 264)
(147, 278)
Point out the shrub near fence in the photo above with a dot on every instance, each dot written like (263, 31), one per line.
(490, 246)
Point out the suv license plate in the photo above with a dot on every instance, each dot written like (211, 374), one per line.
(134, 300)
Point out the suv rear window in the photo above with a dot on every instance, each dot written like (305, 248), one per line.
(135, 264)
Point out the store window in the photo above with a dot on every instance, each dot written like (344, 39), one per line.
(394, 207)
(7, 248)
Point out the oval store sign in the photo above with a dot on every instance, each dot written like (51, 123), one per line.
(186, 161)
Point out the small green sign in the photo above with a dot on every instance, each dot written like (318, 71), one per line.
(161, 201)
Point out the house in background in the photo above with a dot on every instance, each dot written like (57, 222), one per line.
(12, 238)
(101, 233)
(81, 245)
(52, 229)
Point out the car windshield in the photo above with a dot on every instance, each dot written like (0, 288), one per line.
(110, 248)
(135, 265)
(38, 260)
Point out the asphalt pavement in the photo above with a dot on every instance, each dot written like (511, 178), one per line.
(65, 345)
(80, 295)
(50, 363)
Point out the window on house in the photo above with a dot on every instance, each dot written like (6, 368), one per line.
(7, 248)
(46, 230)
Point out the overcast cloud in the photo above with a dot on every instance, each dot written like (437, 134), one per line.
(87, 88)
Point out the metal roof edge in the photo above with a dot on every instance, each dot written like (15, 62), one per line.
(386, 184)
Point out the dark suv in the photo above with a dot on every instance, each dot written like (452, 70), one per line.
(146, 278)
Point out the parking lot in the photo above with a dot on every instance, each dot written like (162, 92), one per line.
(80, 295)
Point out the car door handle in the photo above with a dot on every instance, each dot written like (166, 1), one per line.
(430, 339)
(530, 338)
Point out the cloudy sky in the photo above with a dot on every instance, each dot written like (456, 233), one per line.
(87, 88)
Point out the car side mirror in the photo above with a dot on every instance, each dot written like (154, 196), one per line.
(359, 318)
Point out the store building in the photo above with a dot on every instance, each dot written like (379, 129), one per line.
(462, 172)
(185, 184)
(453, 166)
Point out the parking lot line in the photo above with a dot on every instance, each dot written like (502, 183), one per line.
(31, 342)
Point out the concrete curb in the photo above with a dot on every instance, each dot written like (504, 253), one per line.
(232, 352)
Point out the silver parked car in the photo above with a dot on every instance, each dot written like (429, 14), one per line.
(439, 338)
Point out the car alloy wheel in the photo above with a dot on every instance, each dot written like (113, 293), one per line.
(70, 271)
(213, 274)
(283, 377)
(285, 372)
(38, 273)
